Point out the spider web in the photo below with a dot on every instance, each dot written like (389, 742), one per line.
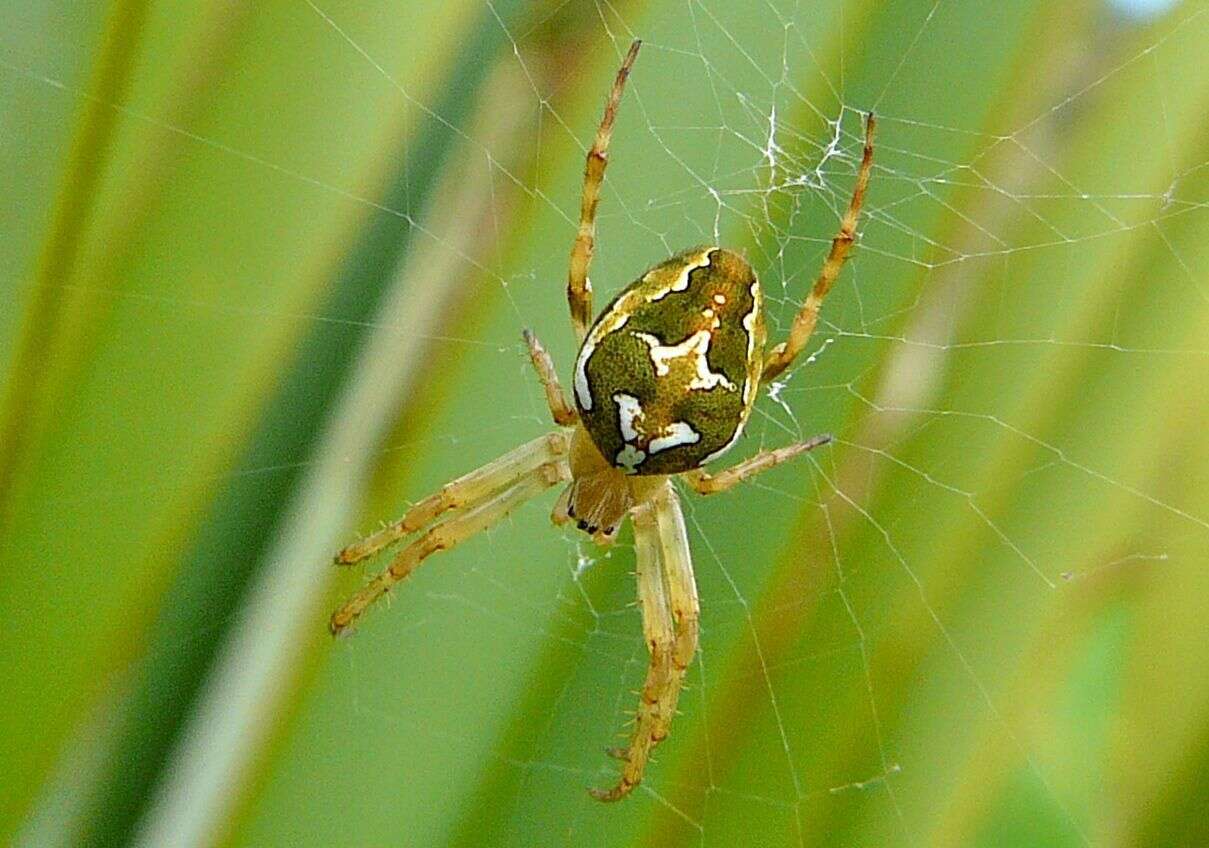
(825, 587)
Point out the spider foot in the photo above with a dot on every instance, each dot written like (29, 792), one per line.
(623, 788)
(349, 555)
(634, 760)
(339, 627)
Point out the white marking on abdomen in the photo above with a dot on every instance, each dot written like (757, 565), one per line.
(696, 346)
(749, 325)
(583, 391)
(677, 433)
(629, 410)
(629, 413)
(681, 282)
(629, 419)
(617, 318)
(629, 458)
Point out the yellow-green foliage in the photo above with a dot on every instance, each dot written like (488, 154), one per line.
(264, 272)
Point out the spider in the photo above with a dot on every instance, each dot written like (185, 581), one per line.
(664, 383)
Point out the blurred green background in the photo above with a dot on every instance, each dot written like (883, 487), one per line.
(263, 276)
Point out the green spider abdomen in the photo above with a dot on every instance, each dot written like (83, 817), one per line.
(667, 376)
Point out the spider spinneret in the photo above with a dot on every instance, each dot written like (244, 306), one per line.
(664, 382)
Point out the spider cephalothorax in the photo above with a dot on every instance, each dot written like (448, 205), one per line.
(664, 383)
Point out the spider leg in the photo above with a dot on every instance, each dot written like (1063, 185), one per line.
(682, 593)
(710, 484)
(450, 533)
(579, 288)
(784, 353)
(564, 415)
(667, 593)
(464, 491)
(660, 632)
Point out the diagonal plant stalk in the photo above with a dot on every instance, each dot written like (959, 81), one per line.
(215, 575)
(234, 715)
(23, 405)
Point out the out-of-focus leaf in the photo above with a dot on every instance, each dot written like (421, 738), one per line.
(975, 619)
(185, 344)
